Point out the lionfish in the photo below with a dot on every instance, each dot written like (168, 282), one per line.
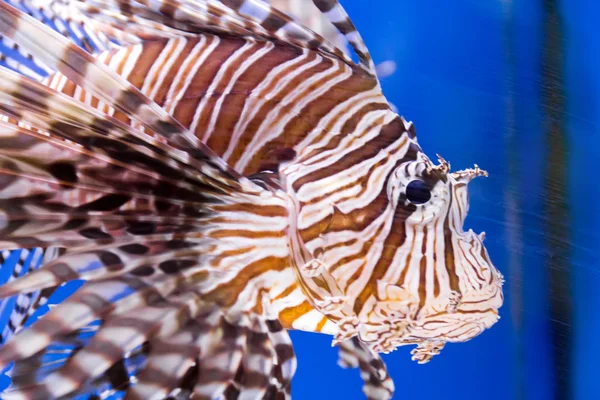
(216, 173)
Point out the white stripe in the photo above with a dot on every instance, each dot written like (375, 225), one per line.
(260, 96)
(299, 97)
(258, 11)
(223, 69)
(242, 68)
(164, 65)
(336, 14)
(185, 75)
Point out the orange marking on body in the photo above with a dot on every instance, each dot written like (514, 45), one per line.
(290, 315)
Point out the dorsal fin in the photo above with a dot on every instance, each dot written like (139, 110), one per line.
(309, 15)
(255, 18)
(83, 69)
(340, 19)
(15, 58)
(53, 14)
(284, 25)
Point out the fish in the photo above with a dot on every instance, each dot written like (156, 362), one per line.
(217, 174)
(309, 15)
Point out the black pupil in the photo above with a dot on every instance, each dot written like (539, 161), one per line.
(418, 192)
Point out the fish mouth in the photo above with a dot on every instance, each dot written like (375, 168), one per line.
(483, 295)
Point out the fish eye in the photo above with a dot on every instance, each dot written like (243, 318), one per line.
(418, 192)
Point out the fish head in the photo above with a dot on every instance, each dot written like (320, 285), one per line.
(442, 286)
(393, 264)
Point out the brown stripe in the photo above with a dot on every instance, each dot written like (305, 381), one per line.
(356, 275)
(69, 88)
(235, 4)
(436, 281)
(230, 253)
(74, 64)
(361, 254)
(273, 23)
(123, 61)
(9, 20)
(422, 272)
(363, 181)
(321, 324)
(449, 250)
(486, 257)
(234, 102)
(358, 219)
(386, 137)
(319, 251)
(150, 52)
(273, 102)
(211, 99)
(186, 108)
(286, 292)
(345, 26)
(348, 128)
(325, 5)
(479, 278)
(407, 262)
(307, 119)
(263, 211)
(227, 293)
(163, 90)
(225, 233)
(185, 70)
(395, 239)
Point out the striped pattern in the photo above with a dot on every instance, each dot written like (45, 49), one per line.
(310, 16)
(244, 99)
(26, 303)
(356, 354)
(224, 175)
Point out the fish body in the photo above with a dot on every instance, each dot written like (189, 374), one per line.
(220, 176)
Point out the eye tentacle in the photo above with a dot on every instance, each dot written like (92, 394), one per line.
(467, 175)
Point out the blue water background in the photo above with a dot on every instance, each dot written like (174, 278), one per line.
(470, 76)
